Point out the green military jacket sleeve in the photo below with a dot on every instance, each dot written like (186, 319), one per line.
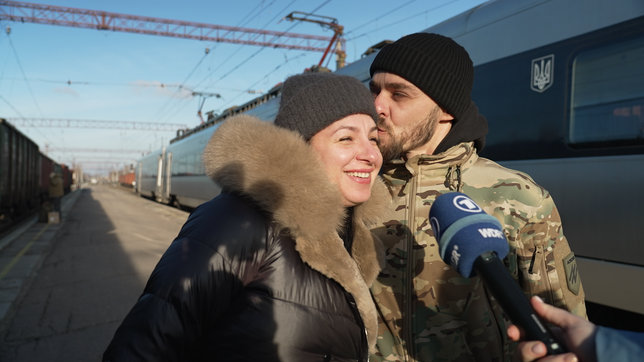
(428, 312)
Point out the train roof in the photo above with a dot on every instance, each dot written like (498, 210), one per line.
(491, 31)
(500, 28)
(215, 119)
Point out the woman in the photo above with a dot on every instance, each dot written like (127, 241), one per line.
(277, 267)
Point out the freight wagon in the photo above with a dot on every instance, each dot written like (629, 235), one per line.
(19, 174)
(127, 180)
(24, 176)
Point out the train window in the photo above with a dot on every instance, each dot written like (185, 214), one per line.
(175, 166)
(190, 164)
(607, 99)
(200, 168)
(183, 166)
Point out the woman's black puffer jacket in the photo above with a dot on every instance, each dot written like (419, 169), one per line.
(259, 273)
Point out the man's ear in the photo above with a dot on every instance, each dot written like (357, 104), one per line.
(445, 117)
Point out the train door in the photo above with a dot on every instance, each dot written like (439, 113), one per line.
(168, 176)
(159, 187)
(137, 184)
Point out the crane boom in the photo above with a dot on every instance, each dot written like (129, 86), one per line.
(102, 20)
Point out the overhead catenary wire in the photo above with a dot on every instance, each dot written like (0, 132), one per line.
(111, 84)
(238, 49)
(231, 56)
(267, 75)
(258, 67)
(240, 64)
(182, 85)
(407, 18)
(387, 13)
(21, 116)
(247, 18)
(28, 86)
(254, 54)
(241, 23)
(179, 88)
(15, 53)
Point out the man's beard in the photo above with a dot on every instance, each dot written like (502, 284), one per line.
(396, 147)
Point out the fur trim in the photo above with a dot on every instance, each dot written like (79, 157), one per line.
(366, 246)
(280, 172)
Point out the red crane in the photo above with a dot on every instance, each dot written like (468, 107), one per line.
(103, 20)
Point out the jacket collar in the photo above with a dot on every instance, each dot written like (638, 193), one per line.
(446, 167)
(279, 171)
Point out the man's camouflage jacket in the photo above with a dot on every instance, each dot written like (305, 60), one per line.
(428, 312)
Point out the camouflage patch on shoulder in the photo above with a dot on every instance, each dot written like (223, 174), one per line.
(572, 273)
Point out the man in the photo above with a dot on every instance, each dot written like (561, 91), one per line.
(55, 191)
(430, 133)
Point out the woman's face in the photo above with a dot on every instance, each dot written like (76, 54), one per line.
(349, 150)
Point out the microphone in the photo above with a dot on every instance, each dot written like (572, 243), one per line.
(473, 243)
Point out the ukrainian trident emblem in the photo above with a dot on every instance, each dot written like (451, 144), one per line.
(542, 73)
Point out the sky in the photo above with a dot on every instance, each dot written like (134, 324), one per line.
(58, 72)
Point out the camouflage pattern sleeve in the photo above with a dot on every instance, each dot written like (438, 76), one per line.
(541, 260)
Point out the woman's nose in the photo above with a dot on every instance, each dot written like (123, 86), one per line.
(369, 152)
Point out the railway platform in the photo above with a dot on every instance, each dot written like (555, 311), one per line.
(65, 288)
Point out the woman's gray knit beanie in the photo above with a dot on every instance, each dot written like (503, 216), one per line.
(312, 101)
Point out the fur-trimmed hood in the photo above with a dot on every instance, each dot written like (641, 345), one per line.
(281, 173)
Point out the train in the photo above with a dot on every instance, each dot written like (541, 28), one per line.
(127, 180)
(561, 84)
(24, 176)
(175, 174)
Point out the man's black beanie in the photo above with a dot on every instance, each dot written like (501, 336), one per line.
(435, 64)
(312, 101)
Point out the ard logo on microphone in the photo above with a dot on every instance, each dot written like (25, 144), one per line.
(466, 204)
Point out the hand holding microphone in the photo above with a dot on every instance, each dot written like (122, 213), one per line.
(473, 243)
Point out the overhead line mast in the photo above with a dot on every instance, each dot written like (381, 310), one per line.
(331, 23)
(102, 20)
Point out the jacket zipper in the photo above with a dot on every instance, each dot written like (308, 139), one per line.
(356, 314)
(409, 345)
(540, 264)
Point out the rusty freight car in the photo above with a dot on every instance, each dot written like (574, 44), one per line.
(19, 174)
